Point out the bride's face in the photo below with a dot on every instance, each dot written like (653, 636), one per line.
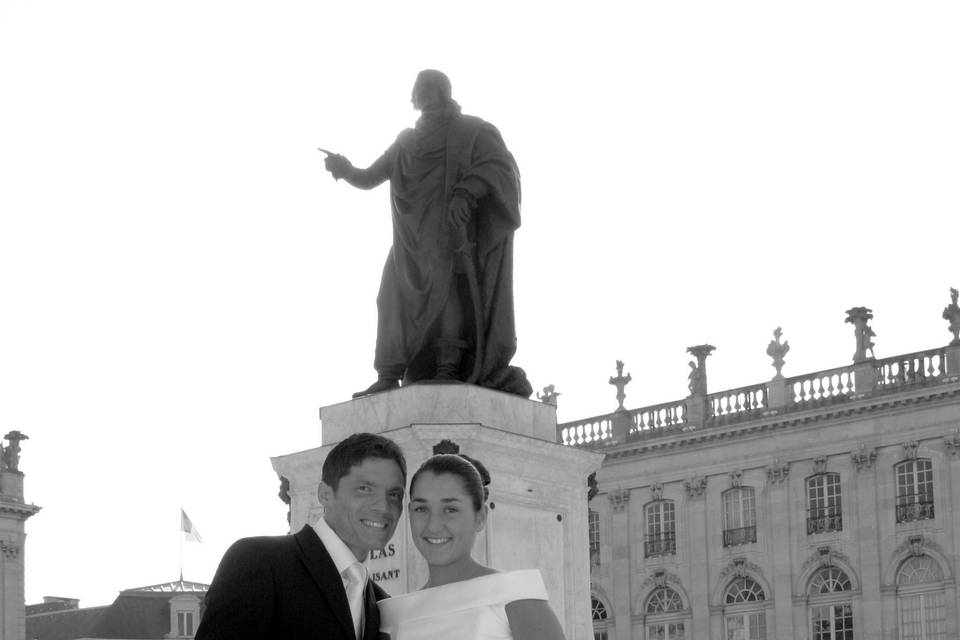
(443, 520)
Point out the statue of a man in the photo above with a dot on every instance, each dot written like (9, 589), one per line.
(445, 306)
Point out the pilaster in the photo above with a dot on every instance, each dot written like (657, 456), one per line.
(620, 555)
(778, 485)
(696, 489)
(866, 531)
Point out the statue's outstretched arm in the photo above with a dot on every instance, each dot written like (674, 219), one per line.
(374, 175)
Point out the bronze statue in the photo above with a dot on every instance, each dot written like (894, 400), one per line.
(445, 306)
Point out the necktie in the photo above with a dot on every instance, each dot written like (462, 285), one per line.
(356, 581)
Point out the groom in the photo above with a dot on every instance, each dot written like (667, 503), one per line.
(313, 584)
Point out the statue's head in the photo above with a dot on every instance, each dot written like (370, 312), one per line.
(431, 91)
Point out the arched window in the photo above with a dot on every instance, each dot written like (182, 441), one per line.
(661, 535)
(599, 610)
(831, 607)
(743, 618)
(921, 600)
(914, 490)
(739, 516)
(664, 608)
(744, 590)
(601, 619)
(823, 503)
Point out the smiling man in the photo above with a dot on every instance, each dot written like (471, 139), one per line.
(313, 584)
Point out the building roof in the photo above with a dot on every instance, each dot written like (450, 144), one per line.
(63, 625)
(139, 613)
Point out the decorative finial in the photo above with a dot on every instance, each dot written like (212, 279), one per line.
(549, 395)
(620, 382)
(859, 317)
(777, 350)
(951, 313)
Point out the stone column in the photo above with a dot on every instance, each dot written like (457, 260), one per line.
(696, 489)
(538, 492)
(781, 546)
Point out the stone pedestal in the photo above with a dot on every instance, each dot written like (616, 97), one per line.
(538, 492)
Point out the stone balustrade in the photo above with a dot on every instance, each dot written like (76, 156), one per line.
(735, 403)
(778, 396)
(911, 369)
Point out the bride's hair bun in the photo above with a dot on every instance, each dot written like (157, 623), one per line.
(471, 472)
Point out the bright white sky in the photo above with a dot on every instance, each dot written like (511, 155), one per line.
(183, 286)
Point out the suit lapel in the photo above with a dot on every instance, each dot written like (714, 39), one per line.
(371, 624)
(320, 566)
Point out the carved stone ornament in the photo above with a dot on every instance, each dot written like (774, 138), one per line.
(777, 350)
(656, 491)
(659, 578)
(826, 555)
(619, 499)
(740, 567)
(952, 442)
(695, 486)
(860, 317)
(549, 395)
(778, 471)
(10, 460)
(820, 464)
(736, 478)
(863, 457)
(951, 313)
(916, 545)
(910, 449)
(697, 380)
(10, 551)
(620, 382)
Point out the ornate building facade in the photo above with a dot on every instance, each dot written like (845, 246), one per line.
(824, 506)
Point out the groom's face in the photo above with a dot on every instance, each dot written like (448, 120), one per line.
(366, 505)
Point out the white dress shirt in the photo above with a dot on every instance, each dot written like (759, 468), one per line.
(343, 559)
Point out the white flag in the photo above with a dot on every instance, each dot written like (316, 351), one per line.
(187, 527)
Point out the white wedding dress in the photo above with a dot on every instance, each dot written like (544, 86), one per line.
(465, 610)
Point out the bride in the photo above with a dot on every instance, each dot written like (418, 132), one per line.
(462, 598)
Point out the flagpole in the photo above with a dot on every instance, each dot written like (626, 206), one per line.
(180, 535)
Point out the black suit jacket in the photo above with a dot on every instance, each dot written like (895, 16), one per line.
(283, 587)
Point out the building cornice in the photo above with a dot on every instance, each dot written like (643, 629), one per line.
(18, 509)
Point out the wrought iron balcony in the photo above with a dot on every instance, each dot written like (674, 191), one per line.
(915, 510)
(824, 521)
(743, 535)
(664, 544)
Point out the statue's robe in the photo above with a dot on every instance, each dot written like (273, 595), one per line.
(425, 166)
